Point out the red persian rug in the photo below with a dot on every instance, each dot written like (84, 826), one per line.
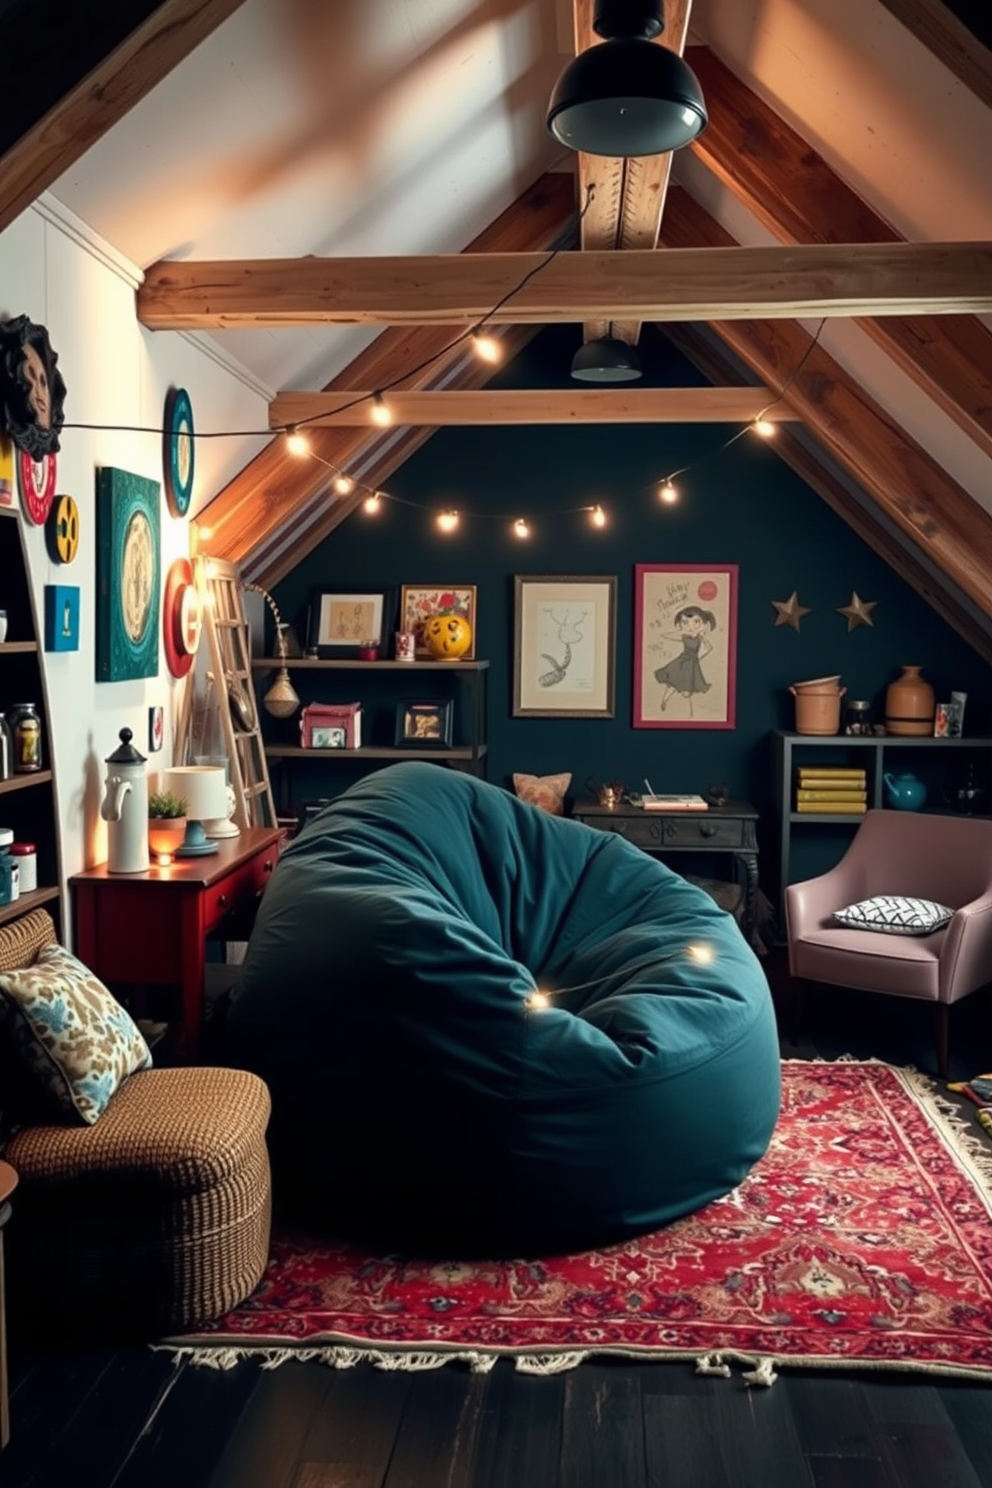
(862, 1239)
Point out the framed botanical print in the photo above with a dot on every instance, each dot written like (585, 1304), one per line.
(685, 645)
(343, 622)
(564, 645)
(127, 574)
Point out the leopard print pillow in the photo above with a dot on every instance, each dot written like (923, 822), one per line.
(546, 791)
(69, 1033)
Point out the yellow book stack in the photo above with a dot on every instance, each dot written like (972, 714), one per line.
(831, 790)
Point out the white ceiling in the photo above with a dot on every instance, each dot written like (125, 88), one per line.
(406, 126)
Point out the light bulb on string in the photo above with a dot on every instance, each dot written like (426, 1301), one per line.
(486, 348)
(298, 444)
(764, 427)
(381, 412)
(372, 504)
(521, 529)
(667, 493)
(597, 516)
(447, 521)
(344, 485)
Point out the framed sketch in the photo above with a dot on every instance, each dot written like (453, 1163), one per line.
(343, 621)
(423, 725)
(128, 575)
(685, 645)
(564, 646)
(418, 602)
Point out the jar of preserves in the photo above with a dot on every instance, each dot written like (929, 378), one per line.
(25, 728)
(25, 856)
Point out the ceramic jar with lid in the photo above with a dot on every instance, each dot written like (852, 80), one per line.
(25, 855)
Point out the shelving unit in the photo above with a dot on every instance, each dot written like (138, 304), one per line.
(28, 802)
(425, 680)
(878, 754)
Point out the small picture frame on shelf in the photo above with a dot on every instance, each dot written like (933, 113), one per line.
(329, 737)
(343, 622)
(422, 725)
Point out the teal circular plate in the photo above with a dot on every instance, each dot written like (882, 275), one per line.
(179, 454)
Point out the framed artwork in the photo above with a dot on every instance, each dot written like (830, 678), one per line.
(32, 391)
(61, 617)
(685, 645)
(423, 725)
(564, 646)
(128, 567)
(343, 621)
(156, 728)
(418, 602)
(178, 451)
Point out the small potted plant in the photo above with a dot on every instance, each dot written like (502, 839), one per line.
(166, 824)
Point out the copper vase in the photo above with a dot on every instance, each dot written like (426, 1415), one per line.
(909, 704)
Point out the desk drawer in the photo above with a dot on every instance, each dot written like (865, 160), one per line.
(239, 889)
(656, 832)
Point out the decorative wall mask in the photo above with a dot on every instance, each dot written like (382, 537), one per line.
(32, 391)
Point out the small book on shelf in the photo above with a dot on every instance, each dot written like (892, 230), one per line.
(674, 803)
(832, 808)
(835, 772)
(824, 793)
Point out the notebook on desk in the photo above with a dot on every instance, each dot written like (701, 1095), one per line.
(674, 803)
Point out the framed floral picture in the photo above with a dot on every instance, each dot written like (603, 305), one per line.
(564, 645)
(418, 602)
(685, 645)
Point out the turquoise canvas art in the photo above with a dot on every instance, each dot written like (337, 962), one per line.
(128, 573)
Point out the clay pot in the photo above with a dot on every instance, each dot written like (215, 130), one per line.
(909, 704)
(818, 705)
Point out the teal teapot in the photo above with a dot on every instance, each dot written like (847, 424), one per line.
(904, 792)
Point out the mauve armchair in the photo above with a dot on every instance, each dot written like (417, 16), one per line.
(943, 858)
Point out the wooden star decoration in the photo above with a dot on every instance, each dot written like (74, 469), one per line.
(790, 611)
(858, 612)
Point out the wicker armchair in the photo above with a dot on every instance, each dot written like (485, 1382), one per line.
(156, 1218)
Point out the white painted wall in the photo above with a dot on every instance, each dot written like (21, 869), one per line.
(56, 271)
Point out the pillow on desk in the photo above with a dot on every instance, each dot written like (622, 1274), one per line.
(69, 1033)
(545, 791)
(895, 914)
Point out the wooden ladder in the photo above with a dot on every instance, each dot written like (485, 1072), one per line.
(228, 639)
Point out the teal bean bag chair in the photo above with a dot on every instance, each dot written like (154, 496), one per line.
(424, 1098)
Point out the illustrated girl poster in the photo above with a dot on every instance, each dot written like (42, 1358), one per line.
(685, 645)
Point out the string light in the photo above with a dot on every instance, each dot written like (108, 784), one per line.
(764, 427)
(372, 505)
(541, 997)
(668, 493)
(343, 484)
(298, 444)
(486, 348)
(447, 521)
(521, 529)
(381, 411)
(597, 516)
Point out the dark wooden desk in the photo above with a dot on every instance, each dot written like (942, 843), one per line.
(729, 829)
(152, 927)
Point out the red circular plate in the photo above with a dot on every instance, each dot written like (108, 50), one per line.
(180, 617)
(37, 479)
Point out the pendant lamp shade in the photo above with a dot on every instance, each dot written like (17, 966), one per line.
(630, 96)
(606, 359)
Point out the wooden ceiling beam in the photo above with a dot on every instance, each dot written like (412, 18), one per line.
(625, 196)
(592, 405)
(792, 190)
(268, 494)
(459, 289)
(714, 360)
(950, 40)
(85, 113)
(906, 484)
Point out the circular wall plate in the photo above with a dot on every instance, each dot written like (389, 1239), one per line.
(36, 479)
(181, 618)
(178, 453)
(62, 530)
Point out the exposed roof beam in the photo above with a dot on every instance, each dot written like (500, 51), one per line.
(940, 31)
(719, 405)
(85, 113)
(791, 189)
(628, 195)
(458, 289)
(273, 489)
(903, 480)
(714, 359)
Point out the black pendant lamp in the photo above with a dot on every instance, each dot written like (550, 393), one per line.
(629, 96)
(606, 359)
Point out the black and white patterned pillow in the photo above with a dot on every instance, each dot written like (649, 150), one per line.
(895, 914)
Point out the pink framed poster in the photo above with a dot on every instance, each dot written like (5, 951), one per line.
(685, 645)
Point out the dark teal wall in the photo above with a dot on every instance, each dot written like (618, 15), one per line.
(742, 505)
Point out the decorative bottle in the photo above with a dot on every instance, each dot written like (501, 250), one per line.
(909, 704)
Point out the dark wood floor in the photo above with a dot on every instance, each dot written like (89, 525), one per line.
(132, 1418)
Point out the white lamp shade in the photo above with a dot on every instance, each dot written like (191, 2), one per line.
(204, 788)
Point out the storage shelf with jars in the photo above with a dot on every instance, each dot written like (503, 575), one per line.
(381, 687)
(946, 776)
(28, 805)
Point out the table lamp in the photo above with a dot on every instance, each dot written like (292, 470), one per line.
(205, 790)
